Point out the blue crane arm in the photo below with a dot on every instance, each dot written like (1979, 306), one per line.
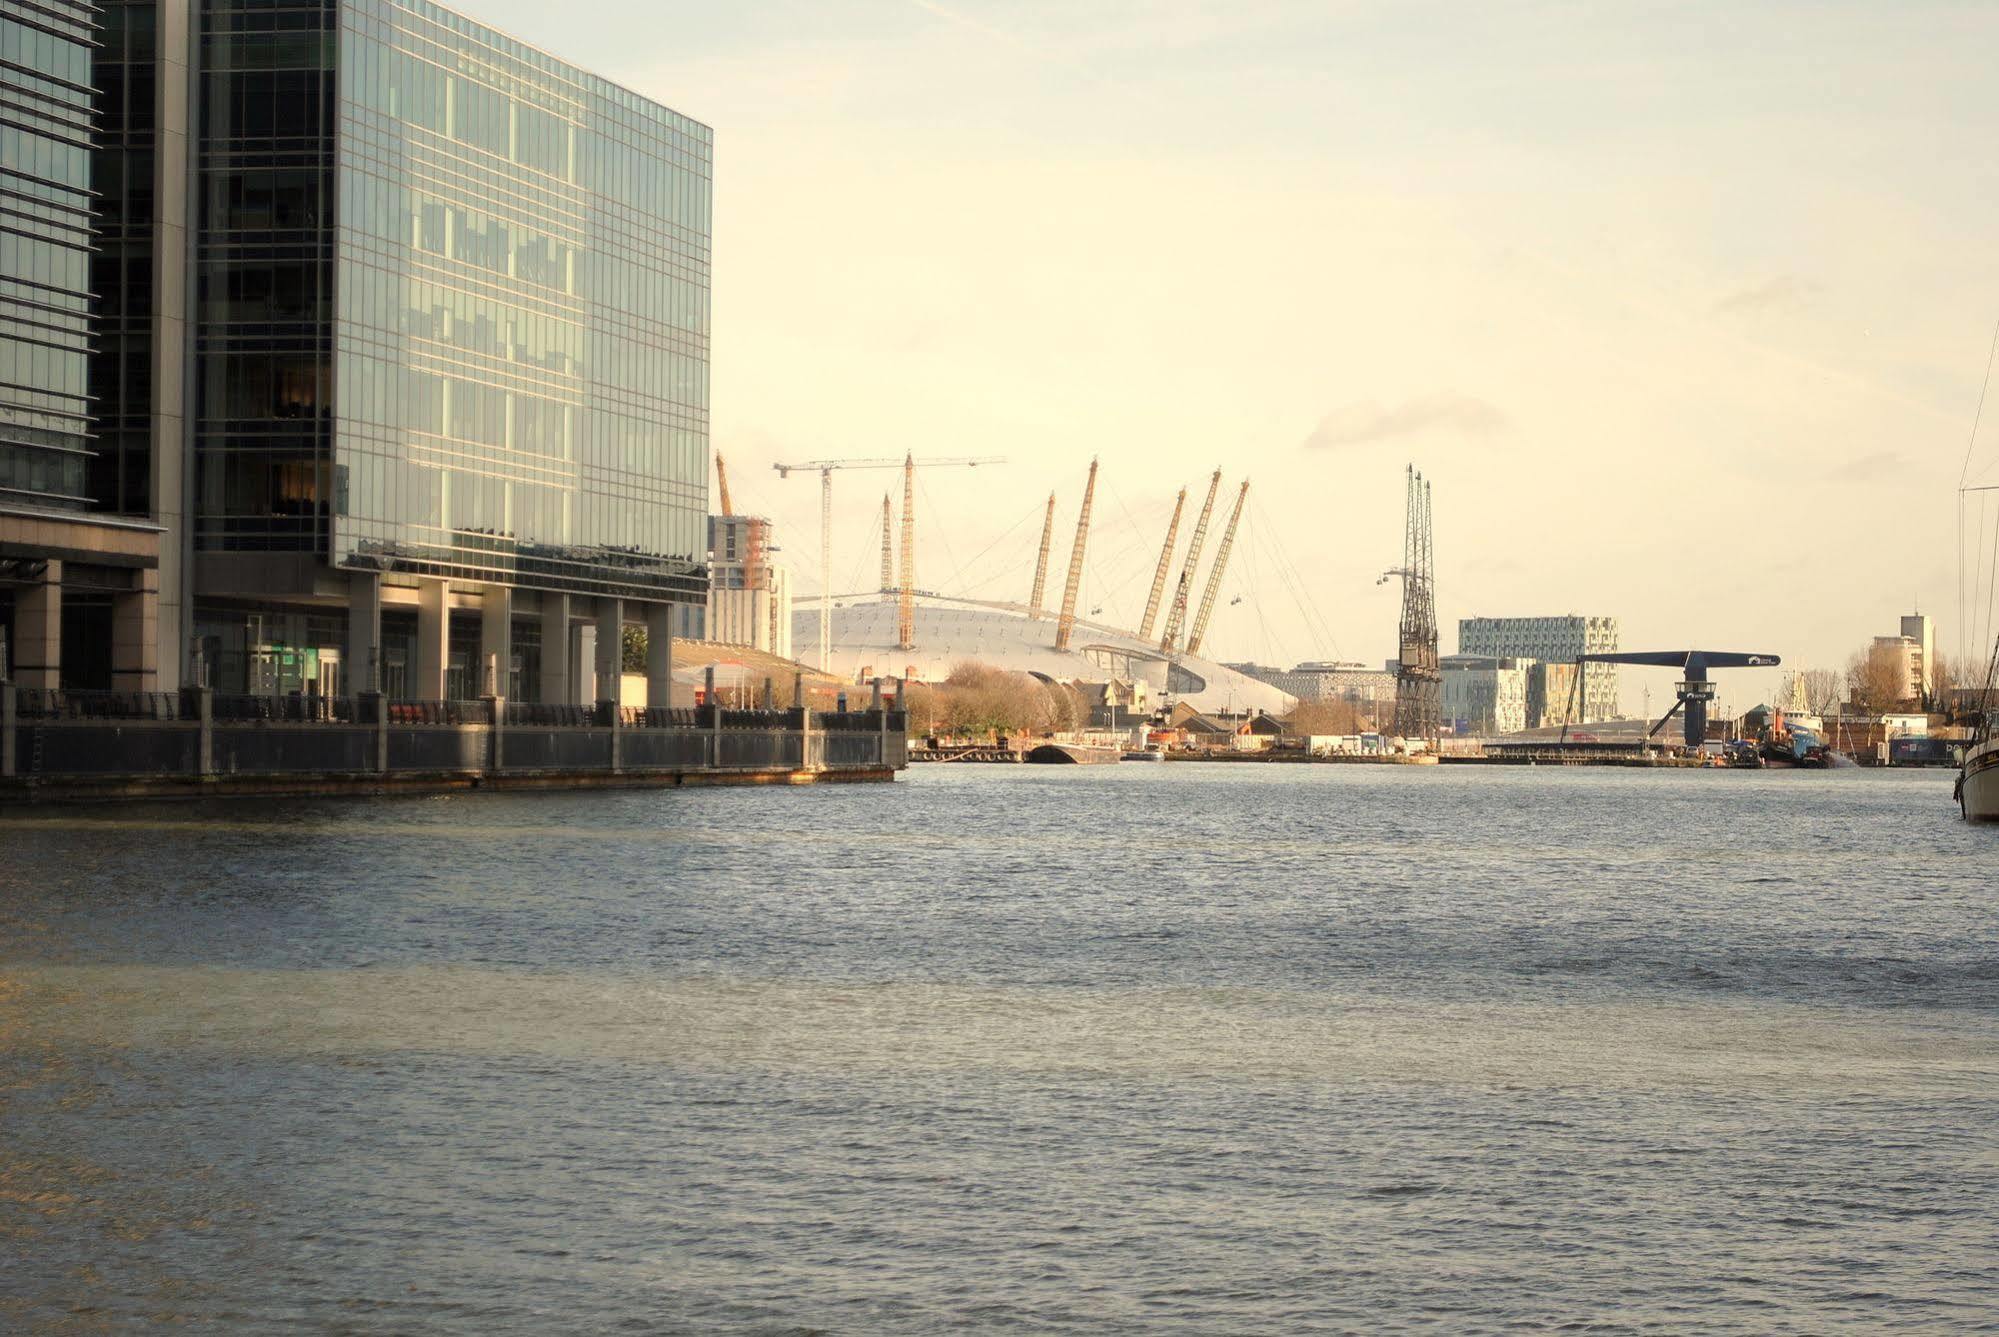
(1685, 659)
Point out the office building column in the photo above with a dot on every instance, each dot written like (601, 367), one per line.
(135, 634)
(659, 656)
(555, 687)
(433, 639)
(364, 634)
(496, 640)
(38, 631)
(611, 650)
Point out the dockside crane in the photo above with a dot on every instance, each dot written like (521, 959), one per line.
(1221, 565)
(1165, 561)
(1178, 615)
(825, 468)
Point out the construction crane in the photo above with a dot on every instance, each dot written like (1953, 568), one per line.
(825, 468)
(722, 484)
(1067, 622)
(1178, 616)
(1221, 564)
(905, 617)
(1159, 576)
(888, 551)
(1041, 563)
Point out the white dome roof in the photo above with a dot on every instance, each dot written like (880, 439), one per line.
(950, 631)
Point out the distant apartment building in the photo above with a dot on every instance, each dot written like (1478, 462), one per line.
(1485, 696)
(749, 596)
(1915, 648)
(1555, 640)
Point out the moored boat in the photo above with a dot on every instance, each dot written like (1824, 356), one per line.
(1978, 780)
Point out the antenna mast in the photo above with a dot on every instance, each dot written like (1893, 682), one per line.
(1067, 623)
(1215, 575)
(1041, 563)
(1178, 616)
(1159, 576)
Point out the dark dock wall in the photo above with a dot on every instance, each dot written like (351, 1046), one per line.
(64, 743)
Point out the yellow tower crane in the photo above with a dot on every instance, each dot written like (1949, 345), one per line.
(825, 468)
(722, 484)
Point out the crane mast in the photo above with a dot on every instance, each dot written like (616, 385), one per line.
(888, 551)
(825, 468)
(1067, 622)
(1221, 565)
(905, 622)
(722, 484)
(1159, 576)
(1041, 563)
(1178, 615)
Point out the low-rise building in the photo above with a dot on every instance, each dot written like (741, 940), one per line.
(1484, 695)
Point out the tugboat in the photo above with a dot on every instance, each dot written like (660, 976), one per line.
(1784, 744)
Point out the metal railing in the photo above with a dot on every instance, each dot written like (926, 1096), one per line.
(658, 717)
(476, 711)
(36, 703)
(550, 715)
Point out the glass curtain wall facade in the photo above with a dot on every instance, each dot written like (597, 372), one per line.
(45, 140)
(264, 285)
(453, 305)
(522, 318)
(126, 72)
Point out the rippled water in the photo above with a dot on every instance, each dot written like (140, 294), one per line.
(1214, 1049)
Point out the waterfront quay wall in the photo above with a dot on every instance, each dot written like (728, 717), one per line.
(57, 744)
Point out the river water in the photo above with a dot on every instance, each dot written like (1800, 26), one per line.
(1097, 1050)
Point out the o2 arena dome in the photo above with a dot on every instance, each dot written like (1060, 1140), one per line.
(949, 631)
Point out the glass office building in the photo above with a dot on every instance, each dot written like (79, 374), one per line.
(45, 88)
(452, 311)
(77, 588)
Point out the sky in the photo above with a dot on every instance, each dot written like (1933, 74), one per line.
(1684, 309)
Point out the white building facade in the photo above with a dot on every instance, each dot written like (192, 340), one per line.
(1485, 697)
(1557, 640)
(749, 596)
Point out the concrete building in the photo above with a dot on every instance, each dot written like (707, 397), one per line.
(405, 347)
(1373, 690)
(1915, 650)
(79, 563)
(1557, 639)
(1552, 698)
(1484, 696)
(749, 595)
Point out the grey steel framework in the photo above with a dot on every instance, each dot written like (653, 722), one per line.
(45, 140)
(1418, 679)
